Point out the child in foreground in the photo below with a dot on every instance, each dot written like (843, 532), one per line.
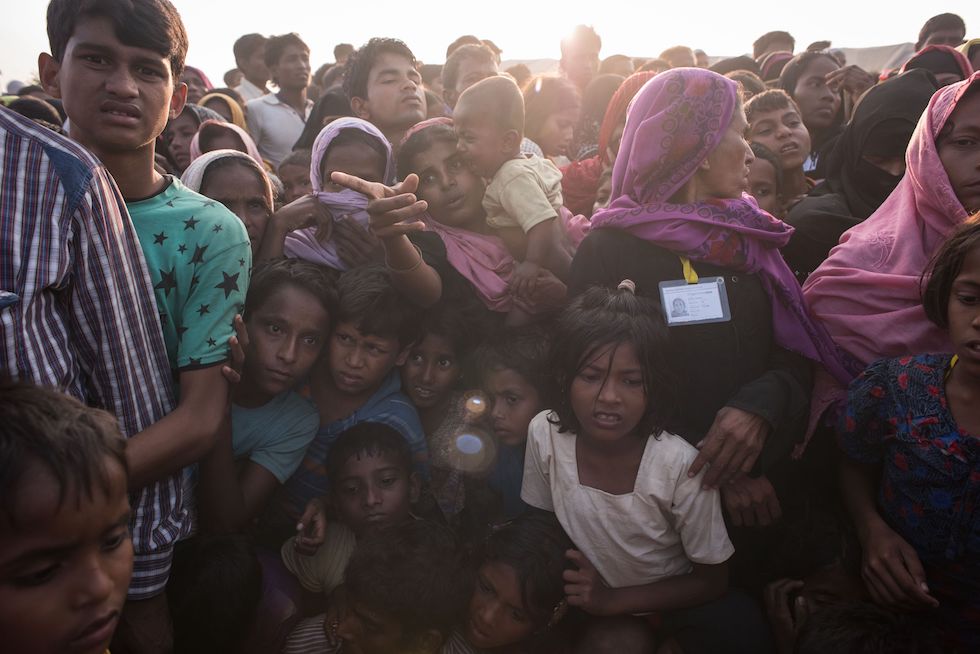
(65, 551)
(775, 122)
(911, 469)
(649, 538)
(523, 200)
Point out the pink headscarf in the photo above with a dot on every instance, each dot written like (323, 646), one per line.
(250, 147)
(867, 291)
(200, 75)
(676, 120)
(345, 205)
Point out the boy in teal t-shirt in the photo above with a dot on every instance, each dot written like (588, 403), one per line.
(199, 256)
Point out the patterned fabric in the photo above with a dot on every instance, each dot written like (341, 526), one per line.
(897, 416)
(199, 258)
(675, 121)
(85, 321)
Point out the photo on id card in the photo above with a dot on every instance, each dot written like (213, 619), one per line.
(694, 304)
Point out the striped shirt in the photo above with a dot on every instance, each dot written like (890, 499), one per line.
(84, 319)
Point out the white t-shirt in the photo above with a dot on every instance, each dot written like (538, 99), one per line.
(653, 533)
(250, 91)
(275, 126)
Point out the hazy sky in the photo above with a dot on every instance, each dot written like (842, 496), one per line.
(524, 29)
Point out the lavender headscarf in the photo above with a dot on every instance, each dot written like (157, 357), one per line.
(345, 205)
(676, 120)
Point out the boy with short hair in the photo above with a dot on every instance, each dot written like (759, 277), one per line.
(372, 485)
(385, 88)
(466, 66)
(405, 590)
(250, 59)
(116, 65)
(356, 382)
(523, 199)
(276, 120)
(65, 549)
(775, 122)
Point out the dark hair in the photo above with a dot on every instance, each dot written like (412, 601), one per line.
(37, 110)
(411, 573)
(936, 23)
(471, 51)
(945, 266)
(582, 33)
(762, 152)
(151, 24)
(269, 276)
(795, 67)
(30, 88)
(654, 66)
(603, 317)
(351, 136)
(358, 68)
(669, 54)
(246, 46)
(771, 100)
(301, 158)
(213, 593)
(865, 628)
(545, 95)
(750, 83)
(466, 39)
(368, 439)
(332, 104)
(44, 426)
(276, 45)
(608, 65)
(419, 142)
(763, 42)
(342, 49)
(524, 350)
(368, 299)
(430, 73)
(733, 64)
(521, 74)
(459, 320)
(534, 545)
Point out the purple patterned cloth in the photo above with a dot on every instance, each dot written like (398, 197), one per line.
(676, 120)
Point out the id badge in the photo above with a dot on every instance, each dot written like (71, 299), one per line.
(694, 304)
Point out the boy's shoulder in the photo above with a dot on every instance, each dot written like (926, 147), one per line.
(542, 170)
(199, 214)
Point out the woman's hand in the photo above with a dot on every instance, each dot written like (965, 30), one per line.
(304, 212)
(892, 571)
(787, 614)
(311, 531)
(852, 80)
(731, 447)
(585, 588)
(393, 209)
(549, 294)
(336, 610)
(751, 502)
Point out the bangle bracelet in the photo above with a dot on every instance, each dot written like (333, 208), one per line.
(402, 271)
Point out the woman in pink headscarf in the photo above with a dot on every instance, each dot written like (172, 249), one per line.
(219, 135)
(679, 215)
(866, 293)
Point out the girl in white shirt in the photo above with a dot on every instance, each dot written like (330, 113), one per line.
(649, 538)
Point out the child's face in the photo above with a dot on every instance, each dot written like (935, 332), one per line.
(354, 159)
(368, 631)
(195, 86)
(296, 180)
(219, 107)
(556, 134)
(238, 187)
(374, 491)
(607, 394)
(293, 69)
(430, 372)
(118, 97)
(762, 186)
(395, 96)
(64, 566)
(470, 72)
(453, 192)
(497, 616)
(514, 402)
(817, 101)
(286, 335)
(179, 133)
(964, 313)
(481, 144)
(360, 362)
(783, 132)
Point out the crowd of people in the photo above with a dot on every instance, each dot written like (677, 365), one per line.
(643, 355)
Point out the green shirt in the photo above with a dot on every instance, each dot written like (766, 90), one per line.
(199, 258)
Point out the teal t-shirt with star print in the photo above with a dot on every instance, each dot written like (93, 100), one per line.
(199, 258)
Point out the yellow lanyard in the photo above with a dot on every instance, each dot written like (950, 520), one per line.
(689, 273)
(952, 364)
